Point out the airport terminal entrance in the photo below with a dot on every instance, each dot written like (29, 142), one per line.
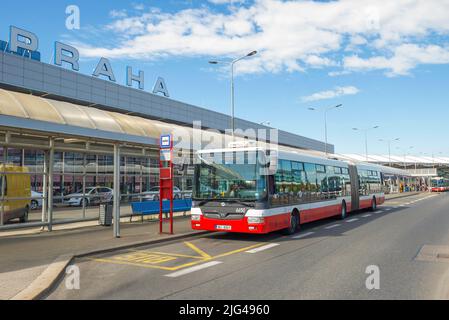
(47, 180)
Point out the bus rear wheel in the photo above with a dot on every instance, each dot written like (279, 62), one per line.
(294, 223)
(373, 204)
(343, 212)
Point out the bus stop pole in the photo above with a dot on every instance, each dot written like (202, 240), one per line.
(116, 191)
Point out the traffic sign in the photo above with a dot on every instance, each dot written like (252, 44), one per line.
(165, 141)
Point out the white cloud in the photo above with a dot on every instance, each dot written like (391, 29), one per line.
(291, 36)
(225, 1)
(117, 14)
(330, 94)
(138, 6)
(405, 57)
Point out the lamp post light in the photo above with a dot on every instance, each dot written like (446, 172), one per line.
(365, 131)
(325, 122)
(389, 141)
(231, 64)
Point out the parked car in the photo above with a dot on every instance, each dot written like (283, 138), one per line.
(93, 195)
(153, 194)
(37, 202)
(15, 186)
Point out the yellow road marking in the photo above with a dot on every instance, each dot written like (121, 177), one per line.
(197, 250)
(171, 254)
(238, 250)
(199, 259)
(144, 257)
(132, 264)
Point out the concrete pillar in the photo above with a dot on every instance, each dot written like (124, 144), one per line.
(116, 193)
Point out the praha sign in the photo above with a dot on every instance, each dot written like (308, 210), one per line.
(26, 43)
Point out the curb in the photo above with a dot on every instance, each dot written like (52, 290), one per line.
(404, 196)
(47, 279)
(42, 284)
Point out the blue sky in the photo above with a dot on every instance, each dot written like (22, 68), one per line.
(387, 64)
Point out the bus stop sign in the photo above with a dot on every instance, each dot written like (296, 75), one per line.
(166, 179)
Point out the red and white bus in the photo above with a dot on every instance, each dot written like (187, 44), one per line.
(439, 184)
(251, 190)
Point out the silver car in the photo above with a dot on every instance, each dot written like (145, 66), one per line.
(93, 195)
(153, 194)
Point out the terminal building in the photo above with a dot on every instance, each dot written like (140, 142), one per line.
(72, 138)
(422, 171)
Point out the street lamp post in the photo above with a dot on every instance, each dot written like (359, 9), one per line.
(325, 122)
(365, 130)
(232, 63)
(389, 141)
(405, 155)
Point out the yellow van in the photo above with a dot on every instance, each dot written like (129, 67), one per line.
(15, 183)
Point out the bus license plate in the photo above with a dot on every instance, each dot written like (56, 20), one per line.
(218, 227)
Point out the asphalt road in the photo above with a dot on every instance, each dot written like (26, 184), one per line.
(325, 260)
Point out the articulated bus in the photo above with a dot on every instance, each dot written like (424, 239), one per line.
(251, 190)
(439, 184)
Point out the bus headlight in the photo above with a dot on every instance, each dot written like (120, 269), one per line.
(255, 220)
(196, 217)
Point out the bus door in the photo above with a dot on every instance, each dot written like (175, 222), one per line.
(354, 176)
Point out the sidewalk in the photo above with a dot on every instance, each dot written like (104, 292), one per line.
(24, 257)
(402, 195)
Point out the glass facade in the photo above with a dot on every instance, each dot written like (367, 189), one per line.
(81, 181)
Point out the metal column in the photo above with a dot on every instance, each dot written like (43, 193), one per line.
(51, 160)
(3, 184)
(45, 188)
(116, 193)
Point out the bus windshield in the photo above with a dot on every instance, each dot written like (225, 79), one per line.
(230, 176)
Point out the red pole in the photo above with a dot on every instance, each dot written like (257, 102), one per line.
(171, 189)
(160, 196)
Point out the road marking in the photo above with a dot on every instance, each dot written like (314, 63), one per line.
(367, 215)
(169, 254)
(303, 235)
(352, 220)
(333, 226)
(387, 209)
(380, 211)
(268, 246)
(197, 250)
(192, 269)
(142, 257)
(199, 259)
